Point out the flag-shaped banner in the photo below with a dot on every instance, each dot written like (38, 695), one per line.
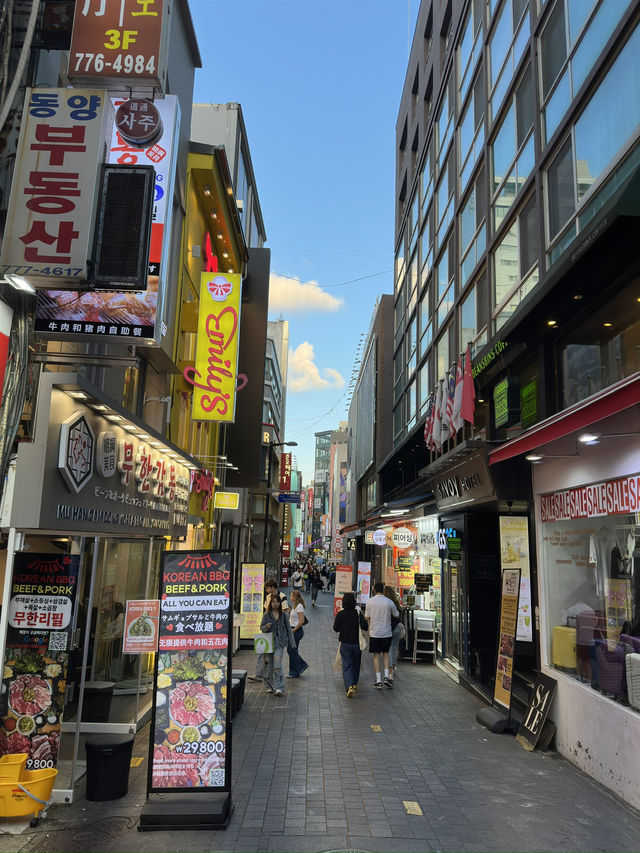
(468, 405)
(437, 417)
(449, 394)
(428, 424)
(456, 418)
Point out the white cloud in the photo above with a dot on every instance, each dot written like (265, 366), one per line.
(288, 295)
(304, 374)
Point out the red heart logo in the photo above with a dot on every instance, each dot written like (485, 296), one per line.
(169, 627)
(218, 625)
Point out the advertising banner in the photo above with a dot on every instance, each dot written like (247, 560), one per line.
(364, 582)
(514, 553)
(49, 223)
(285, 473)
(507, 637)
(216, 366)
(6, 316)
(120, 44)
(190, 745)
(43, 591)
(252, 600)
(141, 624)
(69, 314)
(344, 579)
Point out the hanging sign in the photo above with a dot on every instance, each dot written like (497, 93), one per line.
(252, 599)
(189, 747)
(140, 632)
(507, 637)
(402, 538)
(6, 316)
(43, 591)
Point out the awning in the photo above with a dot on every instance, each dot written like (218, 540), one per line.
(584, 414)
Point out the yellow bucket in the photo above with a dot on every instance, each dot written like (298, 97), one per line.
(12, 766)
(28, 795)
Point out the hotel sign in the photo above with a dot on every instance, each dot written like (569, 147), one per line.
(216, 367)
(467, 482)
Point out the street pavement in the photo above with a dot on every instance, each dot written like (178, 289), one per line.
(315, 771)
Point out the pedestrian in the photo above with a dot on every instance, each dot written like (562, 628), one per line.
(348, 621)
(378, 613)
(332, 579)
(270, 588)
(276, 622)
(306, 577)
(396, 632)
(316, 585)
(296, 579)
(297, 664)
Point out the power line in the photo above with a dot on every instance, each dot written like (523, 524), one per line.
(341, 284)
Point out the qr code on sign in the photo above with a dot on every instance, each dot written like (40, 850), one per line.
(216, 777)
(58, 641)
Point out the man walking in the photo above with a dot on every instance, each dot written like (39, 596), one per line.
(378, 613)
(297, 579)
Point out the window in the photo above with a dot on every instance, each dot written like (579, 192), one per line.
(410, 398)
(444, 122)
(471, 131)
(445, 293)
(515, 263)
(473, 229)
(426, 246)
(443, 357)
(398, 422)
(512, 150)
(506, 46)
(444, 200)
(571, 41)
(399, 264)
(426, 180)
(412, 346)
(425, 326)
(399, 362)
(470, 48)
(608, 123)
(472, 316)
(425, 385)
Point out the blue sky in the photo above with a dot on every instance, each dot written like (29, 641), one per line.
(319, 82)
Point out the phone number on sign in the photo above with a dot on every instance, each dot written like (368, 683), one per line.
(127, 62)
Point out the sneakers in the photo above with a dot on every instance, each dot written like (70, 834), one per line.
(377, 685)
(293, 675)
(304, 669)
(351, 691)
(279, 693)
(389, 683)
(253, 678)
(269, 690)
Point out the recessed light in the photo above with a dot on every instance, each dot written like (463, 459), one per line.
(207, 191)
(143, 435)
(100, 407)
(115, 418)
(534, 457)
(607, 325)
(220, 236)
(578, 297)
(589, 438)
(552, 322)
(155, 443)
(78, 395)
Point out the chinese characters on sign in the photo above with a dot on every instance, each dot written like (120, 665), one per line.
(43, 592)
(49, 224)
(507, 636)
(189, 747)
(252, 599)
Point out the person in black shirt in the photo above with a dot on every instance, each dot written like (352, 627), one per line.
(347, 624)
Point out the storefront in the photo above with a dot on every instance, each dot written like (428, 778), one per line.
(586, 480)
(90, 505)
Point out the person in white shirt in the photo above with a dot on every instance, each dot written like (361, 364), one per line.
(378, 613)
(297, 579)
(297, 664)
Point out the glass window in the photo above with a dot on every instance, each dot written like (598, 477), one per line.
(426, 180)
(515, 263)
(471, 131)
(411, 404)
(553, 47)
(425, 385)
(472, 316)
(561, 189)
(506, 46)
(473, 239)
(443, 359)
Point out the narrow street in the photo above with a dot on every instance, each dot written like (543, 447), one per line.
(313, 772)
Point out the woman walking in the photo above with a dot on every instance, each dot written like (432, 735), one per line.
(297, 664)
(347, 622)
(276, 622)
(396, 628)
(316, 584)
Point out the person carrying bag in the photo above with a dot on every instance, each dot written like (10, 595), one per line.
(349, 623)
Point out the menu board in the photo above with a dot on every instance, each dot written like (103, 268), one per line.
(43, 590)
(364, 582)
(251, 599)
(507, 636)
(191, 745)
(514, 553)
(141, 626)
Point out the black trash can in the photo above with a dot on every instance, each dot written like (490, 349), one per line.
(108, 762)
(235, 696)
(96, 705)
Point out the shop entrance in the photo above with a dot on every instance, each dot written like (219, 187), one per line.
(453, 610)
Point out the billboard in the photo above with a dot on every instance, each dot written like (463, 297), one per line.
(49, 227)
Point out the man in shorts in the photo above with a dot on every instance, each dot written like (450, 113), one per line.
(378, 613)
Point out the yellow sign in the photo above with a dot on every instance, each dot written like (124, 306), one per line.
(215, 372)
(226, 500)
(506, 644)
(251, 599)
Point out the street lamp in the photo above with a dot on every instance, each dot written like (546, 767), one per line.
(271, 444)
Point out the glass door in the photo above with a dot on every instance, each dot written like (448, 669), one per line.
(452, 598)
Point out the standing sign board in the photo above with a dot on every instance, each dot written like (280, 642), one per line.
(507, 637)
(344, 583)
(190, 746)
(141, 622)
(514, 553)
(43, 590)
(535, 716)
(252, 599)
(364, 582)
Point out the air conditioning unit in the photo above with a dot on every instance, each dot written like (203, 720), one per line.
(123, 228)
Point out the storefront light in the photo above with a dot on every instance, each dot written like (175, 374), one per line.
(116, 419)
(589, 438)
(98, 407)
(78, 395)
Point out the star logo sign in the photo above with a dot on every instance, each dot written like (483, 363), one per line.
(77, 446)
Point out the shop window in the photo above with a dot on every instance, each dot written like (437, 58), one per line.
(591, 568)
(515, 263)
(506, 46)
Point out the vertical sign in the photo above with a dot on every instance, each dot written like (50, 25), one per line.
(514, 553)
(119, 42)
(141, 623)
(43, 592)
(507, 636)
(190, 745)
(252, 598)
(6, 316)
(285, 472)
(216, 366)
(364, 582)
(49, 223)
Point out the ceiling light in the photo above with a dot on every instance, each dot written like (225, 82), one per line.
(18, 282)
(78, 395)
(130, 427)
(155, 443)
(578, 297)
(589, 438)
(99, 407)
(225, 254)
(207, 191)
(552, 322)
(214, 215)
(229, 190)
(534, 457)
(115, 418)
(607, 325)
(143, 435)
(220, 236)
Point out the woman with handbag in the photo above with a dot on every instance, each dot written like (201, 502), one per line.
(297, 619)
(348, 623)
(397, 629)
(276, 622)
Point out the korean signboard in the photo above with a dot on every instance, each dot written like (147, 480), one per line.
(190, 747)
(49, 225)
(226, 500)
(43, 591)
(141, 621)
(117, 45)
(252, 599)
(216, 366)
(67, 314)
(507, 637)
(285, 473)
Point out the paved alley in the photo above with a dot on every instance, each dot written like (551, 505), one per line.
(314, 771)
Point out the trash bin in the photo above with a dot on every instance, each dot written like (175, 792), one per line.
(97, 701)
(108, 762)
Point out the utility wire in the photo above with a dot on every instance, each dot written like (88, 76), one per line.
(341, 284)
